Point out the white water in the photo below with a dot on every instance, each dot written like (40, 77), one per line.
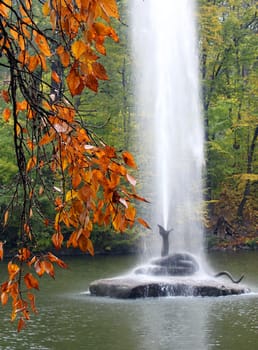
(165, 49)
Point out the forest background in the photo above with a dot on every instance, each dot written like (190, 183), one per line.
(228, 70)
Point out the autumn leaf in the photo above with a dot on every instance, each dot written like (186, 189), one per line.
(83, 243)
(78, 48)
(74, 82)
(6, 96)
(128, 159)
(99, 71)
(90, 247)
(55, 77)
(6, 216)
(31, 163)
(1, 250)
(31, 298)
(143, 223)
(49, 268)
(13, 270)
(39, 267)
(57, 239)
(42, 43)
(24, 254)
(31, 281)
(4, 298)
(109, 7)
(21, 324)
(55, 259)
(6, 114)
(131, 179)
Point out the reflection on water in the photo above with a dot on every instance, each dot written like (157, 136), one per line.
(71, 319)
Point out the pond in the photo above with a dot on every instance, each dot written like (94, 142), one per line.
(70, 319)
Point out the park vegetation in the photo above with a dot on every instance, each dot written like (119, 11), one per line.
(67, 174)
(50, 53)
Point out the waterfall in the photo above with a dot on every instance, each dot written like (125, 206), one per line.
(171, 136)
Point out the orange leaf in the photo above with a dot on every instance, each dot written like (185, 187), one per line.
(90, 247)
(99, 71)
(64, 56)
(55, 259)
(139, 198)
(128, 159)
(21, 324)
(55, 77)
(6, 215)
(39, 268)
(143, 223)
(1, 250)
(31, 163)
(46, 9)
(6, 114)
(13, 270)
(130, 213)
(4, 298)
(76, 180)
(6, 96)
(74, 83)
(47, 138)
(31, 281)
(49, 268)
(83, 243)
(110, 8)
(91, 82)
(24, 254)
(31, 298)
(57, 240)
(42, 44)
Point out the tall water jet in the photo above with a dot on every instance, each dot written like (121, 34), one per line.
(171, 142)
(165, 52)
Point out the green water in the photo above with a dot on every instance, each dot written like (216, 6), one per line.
(71, 319)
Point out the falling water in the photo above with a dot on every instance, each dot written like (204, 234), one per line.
(165, 51)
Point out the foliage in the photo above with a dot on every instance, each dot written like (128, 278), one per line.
(57, 154)
(228, 32)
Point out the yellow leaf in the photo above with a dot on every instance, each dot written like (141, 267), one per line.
(70, 195)
(110, 8)
(46, 9)
(78, 48)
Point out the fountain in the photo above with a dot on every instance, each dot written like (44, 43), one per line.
(165, 49)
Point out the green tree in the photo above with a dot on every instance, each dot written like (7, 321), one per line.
(228, 31)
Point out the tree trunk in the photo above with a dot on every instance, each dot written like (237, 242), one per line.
(246, 193)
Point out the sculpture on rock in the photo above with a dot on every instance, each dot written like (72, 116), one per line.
(165, 242)
(177, 264)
